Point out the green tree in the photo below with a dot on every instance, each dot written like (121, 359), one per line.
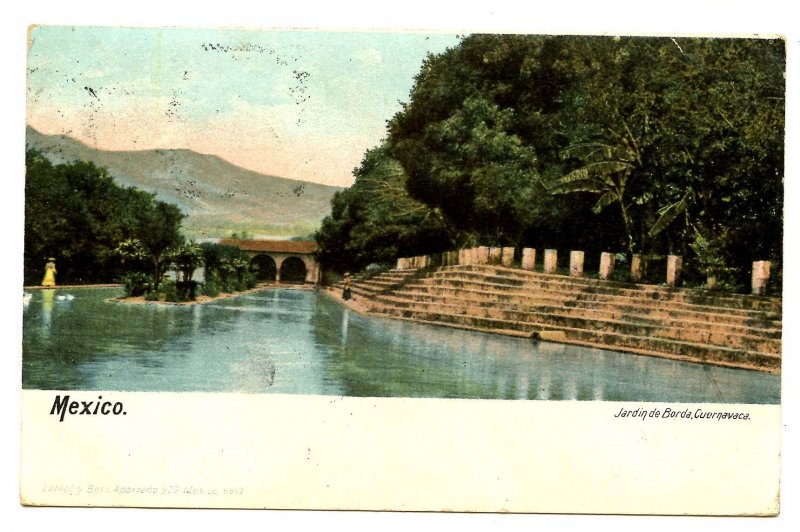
(480, 136)
(75, 213)
(187, 259)
(158, 232)
(688, 130)
(375, 220)
(602, 143)
(226, 268)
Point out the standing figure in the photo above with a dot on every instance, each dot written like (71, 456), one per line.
(49, 280)
(347, 284)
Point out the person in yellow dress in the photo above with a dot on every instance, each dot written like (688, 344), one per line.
(49, 273)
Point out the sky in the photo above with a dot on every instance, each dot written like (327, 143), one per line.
(297, 104)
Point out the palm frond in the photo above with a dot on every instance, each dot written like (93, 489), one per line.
(670, 212)
(605, 200)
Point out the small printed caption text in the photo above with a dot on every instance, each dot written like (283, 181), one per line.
(677, 413)
(123, 489)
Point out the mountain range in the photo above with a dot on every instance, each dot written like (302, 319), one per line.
(218, 197)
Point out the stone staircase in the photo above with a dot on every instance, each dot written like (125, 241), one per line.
(730, 330)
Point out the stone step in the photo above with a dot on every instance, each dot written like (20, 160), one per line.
(381, 283)
(705, 333)
(389, 278)
(688, 295)
(605, 339)
(631, 310)
(565, 294)
(637, 310)
(632, 313)
(490, 299)
(691, 320)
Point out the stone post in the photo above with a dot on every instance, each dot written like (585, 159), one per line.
(576, 263)
(760, 277)
(528, 259)
(607, 261)
(637, 268)
(452, 258)
(474, 256)
(507, 257)
(550, 261)
(495, 255)
(674, 264)
(483, 255)
(460, 257)
(401, 264)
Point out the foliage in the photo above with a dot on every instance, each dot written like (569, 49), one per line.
(241, 235)
(375, 220)
(480, 138)
(227, 269)
(136, 284)
(158, 232)
(595, 143)
(76, 213)
(187, 258)
(168, 291)
(186, 290)
(211, 286)
(688, 120)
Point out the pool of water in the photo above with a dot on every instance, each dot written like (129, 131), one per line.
(301, 342)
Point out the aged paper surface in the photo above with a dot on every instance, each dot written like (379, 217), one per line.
(199, 450)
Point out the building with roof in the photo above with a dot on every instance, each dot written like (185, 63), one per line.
(280, 261)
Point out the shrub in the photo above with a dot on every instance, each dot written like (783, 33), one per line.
(211, 287)
(136, 284)
(169, 291)
(187, 290)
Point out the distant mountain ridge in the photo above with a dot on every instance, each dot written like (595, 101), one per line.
(218, 197)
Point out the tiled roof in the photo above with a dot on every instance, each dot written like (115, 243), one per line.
(276, 246)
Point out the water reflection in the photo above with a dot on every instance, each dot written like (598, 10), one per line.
(345, 321)
(289, 341)
(47, 310)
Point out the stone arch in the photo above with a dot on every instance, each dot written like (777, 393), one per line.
(293, 270)
(264, 267)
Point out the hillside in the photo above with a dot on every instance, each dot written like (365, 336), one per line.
(218, 197)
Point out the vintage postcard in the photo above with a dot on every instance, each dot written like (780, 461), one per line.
(411, 271)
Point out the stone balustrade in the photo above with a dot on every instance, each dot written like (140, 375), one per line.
(504, 256)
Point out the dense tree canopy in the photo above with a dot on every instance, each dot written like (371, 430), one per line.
(652, 145)
(76, 214)
(375, 220)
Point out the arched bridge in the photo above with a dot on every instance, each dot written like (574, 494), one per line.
(287, 261)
